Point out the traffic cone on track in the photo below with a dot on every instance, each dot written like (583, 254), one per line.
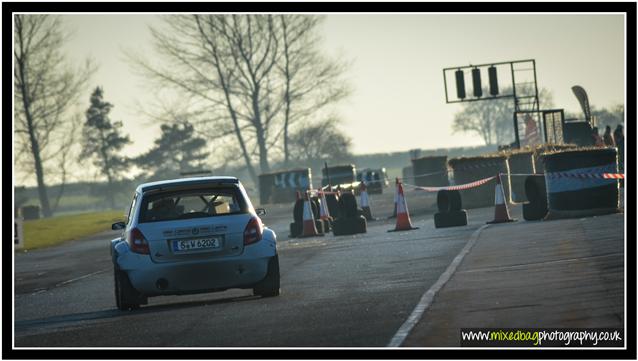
(396, 198)
(501, 213)
(309, 227)
(324, 212)
(403, 217)
(365, 202)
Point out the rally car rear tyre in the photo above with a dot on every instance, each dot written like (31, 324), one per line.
(126, 297)
(270, 285)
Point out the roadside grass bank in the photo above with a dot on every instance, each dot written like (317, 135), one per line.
(49, 232)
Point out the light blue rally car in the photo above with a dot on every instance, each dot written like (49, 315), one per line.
(192, 235)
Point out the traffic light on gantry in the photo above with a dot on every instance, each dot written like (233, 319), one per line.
(491, 72)
(460, 84)
(476, 82)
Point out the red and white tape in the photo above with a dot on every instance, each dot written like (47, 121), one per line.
(586, 175)
(481, 182)
(459, 187)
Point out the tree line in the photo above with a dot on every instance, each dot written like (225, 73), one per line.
(258, 86)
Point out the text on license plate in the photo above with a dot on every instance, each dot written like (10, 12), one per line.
(196, 244)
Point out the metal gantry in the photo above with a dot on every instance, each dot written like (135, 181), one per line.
(525, 94)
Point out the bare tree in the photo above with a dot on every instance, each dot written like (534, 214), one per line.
(492, 120)
(311, 80)
(316, 143)
(65, 157)
(45, 88)
(248, 75)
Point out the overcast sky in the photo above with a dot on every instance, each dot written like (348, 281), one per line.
(397, 60)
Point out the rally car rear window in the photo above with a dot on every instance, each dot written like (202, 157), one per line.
(186, 204)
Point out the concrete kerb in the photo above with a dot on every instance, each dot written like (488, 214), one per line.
(428, 296)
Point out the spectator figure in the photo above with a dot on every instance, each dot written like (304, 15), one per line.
(597, 139)
(607, 138)
(619, 138)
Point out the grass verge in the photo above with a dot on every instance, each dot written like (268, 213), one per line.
(49, 232)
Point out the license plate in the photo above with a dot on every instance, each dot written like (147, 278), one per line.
(202, 244)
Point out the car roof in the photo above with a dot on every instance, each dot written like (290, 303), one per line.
(170, 183)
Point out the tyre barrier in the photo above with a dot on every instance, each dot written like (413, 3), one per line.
(536, 192)
(521, 162)
(450, 219)
(348, 226)
(533, 211)
(333, 204)
(348, 206)
(537, 154)
(570, 196)
(447, 200)
(450, 213)
(350, 219)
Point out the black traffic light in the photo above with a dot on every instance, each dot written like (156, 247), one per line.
(476, 82)
(460, 84)
(491, 72)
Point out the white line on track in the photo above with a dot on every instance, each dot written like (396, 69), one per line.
(42, 290)
(81, 277)
(428, 296)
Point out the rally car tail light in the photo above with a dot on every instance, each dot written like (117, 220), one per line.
(253, 231)
(137, 241)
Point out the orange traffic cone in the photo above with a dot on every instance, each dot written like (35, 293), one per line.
(324, 212)
(403, 217)
(365, 202)
(501, 213)
(309, 227)
(396, 197)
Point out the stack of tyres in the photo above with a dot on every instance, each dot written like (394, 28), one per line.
(296, 228)
(349, 219)
(450, 213)
(333, 204)
(536, 192)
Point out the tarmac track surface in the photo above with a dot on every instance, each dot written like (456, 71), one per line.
(336, 291)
